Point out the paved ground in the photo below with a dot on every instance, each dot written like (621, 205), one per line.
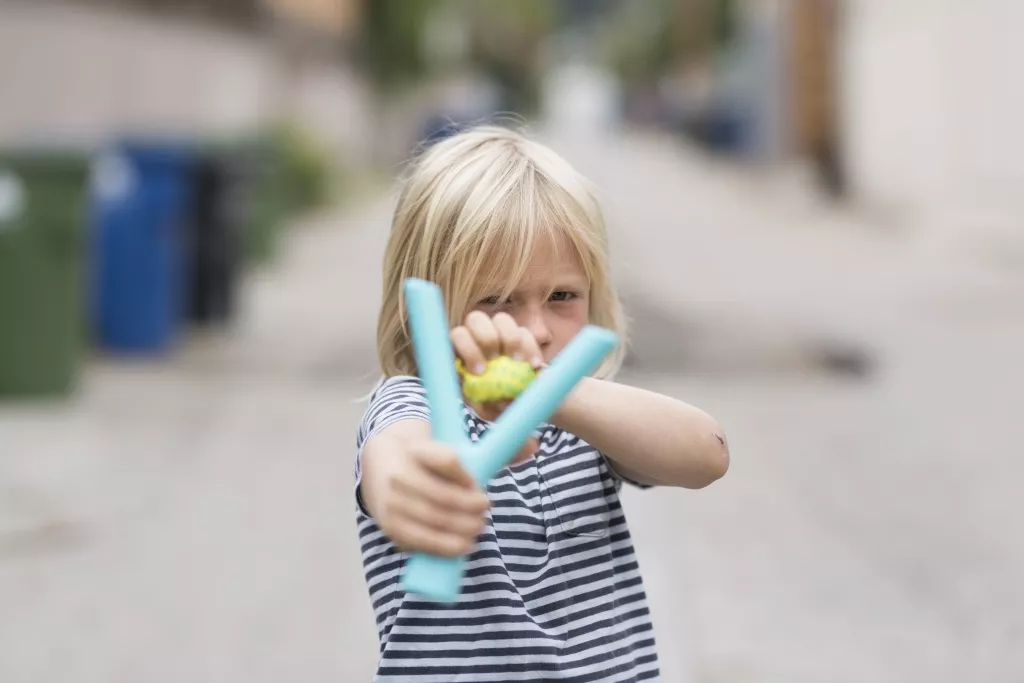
(190, 520)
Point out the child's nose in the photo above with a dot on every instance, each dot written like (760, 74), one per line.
(538, 328)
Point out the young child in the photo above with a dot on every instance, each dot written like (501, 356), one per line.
(552, 591)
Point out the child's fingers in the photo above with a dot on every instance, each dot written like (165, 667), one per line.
(531, 349)
(443, 461)
(424, 510)
(511, 335)
(485, 333)
(466, 348)
(441, 491)
(518, 342)
(443, 477)
(411, 535)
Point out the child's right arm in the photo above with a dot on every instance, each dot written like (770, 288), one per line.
(418, 492)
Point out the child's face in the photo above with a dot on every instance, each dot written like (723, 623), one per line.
(552, 300)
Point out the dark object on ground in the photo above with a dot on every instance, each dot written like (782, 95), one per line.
(846, 360)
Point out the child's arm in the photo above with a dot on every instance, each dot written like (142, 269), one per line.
(650, 438)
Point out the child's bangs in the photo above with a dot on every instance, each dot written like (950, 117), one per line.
(490, 259)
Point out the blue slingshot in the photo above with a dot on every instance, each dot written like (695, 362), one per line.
(440, 578)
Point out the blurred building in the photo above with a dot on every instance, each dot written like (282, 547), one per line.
(907, 106)
(336, 17)
(89, 69)
(932, 109)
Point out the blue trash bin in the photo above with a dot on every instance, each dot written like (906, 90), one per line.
(141, 200)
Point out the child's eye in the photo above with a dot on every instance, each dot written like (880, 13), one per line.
(493, 301)
(563, 296)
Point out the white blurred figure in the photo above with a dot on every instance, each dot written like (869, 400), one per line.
(579, 98)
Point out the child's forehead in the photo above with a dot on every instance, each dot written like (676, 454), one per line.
(542, 270)
(549, 259)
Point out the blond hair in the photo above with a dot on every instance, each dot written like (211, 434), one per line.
(470, 212)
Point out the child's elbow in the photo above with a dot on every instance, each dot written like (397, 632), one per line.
(715, 460)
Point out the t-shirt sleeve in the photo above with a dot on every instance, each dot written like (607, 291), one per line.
(620, 479)
(395, 399)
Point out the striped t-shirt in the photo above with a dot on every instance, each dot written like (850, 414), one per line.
(552, 591)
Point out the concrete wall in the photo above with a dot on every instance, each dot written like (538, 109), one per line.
(85, 74)
(934, 108)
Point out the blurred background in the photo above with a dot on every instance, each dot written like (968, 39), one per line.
(816, 221)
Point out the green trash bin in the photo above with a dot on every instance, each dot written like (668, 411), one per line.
(42, 215)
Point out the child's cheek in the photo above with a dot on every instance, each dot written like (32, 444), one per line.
(574, 316)
(581, 311)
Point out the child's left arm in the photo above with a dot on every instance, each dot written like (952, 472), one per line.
(649, 438)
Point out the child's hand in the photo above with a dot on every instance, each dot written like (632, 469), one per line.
(429, 503)
(482, 338)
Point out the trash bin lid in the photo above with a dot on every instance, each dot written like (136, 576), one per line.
(158, 152)
(47, 163)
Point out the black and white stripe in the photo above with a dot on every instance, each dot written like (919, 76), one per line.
(552, 591)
